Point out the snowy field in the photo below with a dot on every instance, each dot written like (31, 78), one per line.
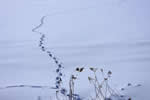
(109, 34)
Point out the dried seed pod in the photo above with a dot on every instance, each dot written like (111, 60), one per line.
(81, 69)
(93, 69)
(73, 77)
(77, 69)
(109, 73)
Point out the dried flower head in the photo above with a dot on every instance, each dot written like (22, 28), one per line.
(93, 69)
(81, 69)
(109, 73)
(77, 69)
(73, 77)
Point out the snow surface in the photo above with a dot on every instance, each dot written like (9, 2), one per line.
(109, 34)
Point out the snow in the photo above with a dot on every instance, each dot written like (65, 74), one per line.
(109, 34)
